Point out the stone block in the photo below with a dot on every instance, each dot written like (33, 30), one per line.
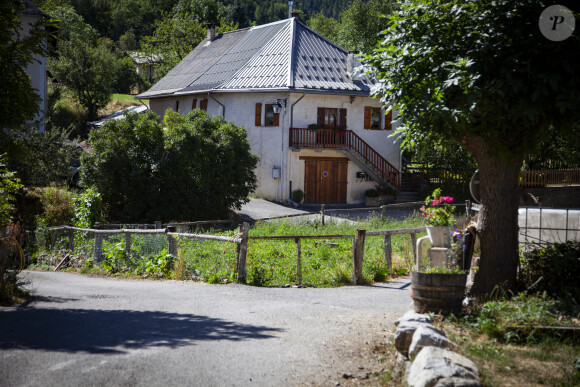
(428, 336)
(441, 367)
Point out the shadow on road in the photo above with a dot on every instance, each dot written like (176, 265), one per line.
(115, 331)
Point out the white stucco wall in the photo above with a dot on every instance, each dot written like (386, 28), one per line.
(270, 144)
(37, 71)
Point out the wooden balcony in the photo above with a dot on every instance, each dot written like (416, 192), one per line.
(350, 142)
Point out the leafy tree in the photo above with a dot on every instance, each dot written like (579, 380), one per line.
(18, 100)
(195, 168)
(86, 70)
(9, 186)
(362, 22)
(325, 26)
(484, 77)
(39, 159)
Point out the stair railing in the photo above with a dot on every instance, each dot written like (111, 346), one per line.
(330, 138)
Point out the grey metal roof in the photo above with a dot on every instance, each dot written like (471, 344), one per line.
(30, 9)
(281, 55)
(195, 64)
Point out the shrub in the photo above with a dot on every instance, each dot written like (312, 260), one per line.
(198, 167)
(57, 206)
(554, 269)
(88, 208)
(298, 195)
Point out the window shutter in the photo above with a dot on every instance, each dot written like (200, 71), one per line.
(194, 104)
(203, 105)
(320, 119)
(258, 114)
(176, 106)
(368, 110)
(276, 119)
(388, 119)
(342, 117)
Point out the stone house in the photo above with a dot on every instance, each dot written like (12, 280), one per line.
(311, 122)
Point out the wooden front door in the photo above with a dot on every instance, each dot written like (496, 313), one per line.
(325, 181)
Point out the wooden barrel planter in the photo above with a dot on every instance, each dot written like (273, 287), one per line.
(437, 293)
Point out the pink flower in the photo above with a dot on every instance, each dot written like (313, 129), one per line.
(448, 199)
(423, 208)
(435, 202)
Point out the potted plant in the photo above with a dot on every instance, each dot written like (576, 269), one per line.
(440, 289)
(379, 195)
(438, 213)
(297, 196)
(314, 127)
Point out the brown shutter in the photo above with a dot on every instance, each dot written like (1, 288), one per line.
(276, 120)
(388, 119)
(194, 104)
(342, 117)
(203, 105)
(320, 119)
(368, 113)
(176, 106)
(258, 114)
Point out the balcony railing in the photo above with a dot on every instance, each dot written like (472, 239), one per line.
(346, 140)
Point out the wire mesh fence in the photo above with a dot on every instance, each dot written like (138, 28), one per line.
(539, 226)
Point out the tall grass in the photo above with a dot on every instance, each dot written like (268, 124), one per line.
(324, 261)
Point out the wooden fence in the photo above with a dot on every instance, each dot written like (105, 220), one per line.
(241, 241)
(546, 177)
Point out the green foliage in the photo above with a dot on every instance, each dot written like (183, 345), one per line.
(18, 100)
(325, 26)
(39, 158)
(514, 320)
(481, 73)
(298, 195)
(554, 269)
(9, 186)
(58, 206)
(65, 113)
(85, 69)
(88, 208)
(197, 168)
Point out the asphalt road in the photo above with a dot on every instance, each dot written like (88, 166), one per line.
(91, 331)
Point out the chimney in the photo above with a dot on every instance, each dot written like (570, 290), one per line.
(210, 31)
(352, 62)
(290, 4)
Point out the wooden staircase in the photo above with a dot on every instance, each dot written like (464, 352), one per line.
(357, 150)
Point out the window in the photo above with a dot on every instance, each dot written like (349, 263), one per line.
(331, 117)
(194, 104)
(373, 117)
(271, 118)
(176, 106)
(203, 104)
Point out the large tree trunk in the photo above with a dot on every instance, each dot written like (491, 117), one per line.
(497, 225)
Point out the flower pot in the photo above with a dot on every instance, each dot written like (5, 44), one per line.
(439, 236)
(437, 293)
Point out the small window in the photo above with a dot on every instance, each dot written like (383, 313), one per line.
(176, 106)
(330, 117)
(372, 118)
(271, 118)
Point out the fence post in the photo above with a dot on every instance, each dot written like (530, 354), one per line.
(243, 252)
(414, 243)
(467, 211)
(322, 213)
(171, 241)
(158, 225)
(359, 250)
(388, 251)
(98, 255)
(127, 243)
(299, 262)
(71, 239)
(383, 211)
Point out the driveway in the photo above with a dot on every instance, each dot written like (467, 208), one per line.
(81, 330)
